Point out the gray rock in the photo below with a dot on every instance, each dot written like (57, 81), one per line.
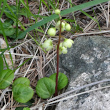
(87, 61)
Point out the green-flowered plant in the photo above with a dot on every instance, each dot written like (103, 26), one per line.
(46, 87)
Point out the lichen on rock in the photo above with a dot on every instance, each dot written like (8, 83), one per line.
(86, 62)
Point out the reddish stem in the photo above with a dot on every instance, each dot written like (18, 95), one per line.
(56, 87)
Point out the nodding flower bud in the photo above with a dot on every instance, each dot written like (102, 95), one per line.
(67, 27)
(67, 43)
(48, 45)
(62, 26)
(57, 11)
(51, 32)
(62, 49)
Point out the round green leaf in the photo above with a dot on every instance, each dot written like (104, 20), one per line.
(6, 25)
(22, 93)
(6, 77)
(62, 80)
(8, 29)
(21, 80)
(26, 108)
(45, 88)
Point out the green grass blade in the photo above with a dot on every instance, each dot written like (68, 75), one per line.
(69, 20)
(22, 63)
(39, 7)
(5, 62)
(91, 18)
(70, 3)
(11, 10)
(0, 2)
(85, 14)
(1, 64)
(82, 6)
(64, 12)
(4, 4)
(45, 3)
(51, 4)
(1, 24)
(97, 21)
(27, 7)
(17, 7)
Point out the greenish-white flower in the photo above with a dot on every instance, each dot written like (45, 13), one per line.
(68, 43)
(51, 32)
(62, 26)
(57, 11)
(48, 44)
(67, 27)
(62, 49)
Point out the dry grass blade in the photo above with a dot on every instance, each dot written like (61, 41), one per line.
(69, 92)
(71, 96)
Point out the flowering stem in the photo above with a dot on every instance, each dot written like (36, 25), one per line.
(56, 87)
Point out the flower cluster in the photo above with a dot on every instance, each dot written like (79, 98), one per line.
(67, 43)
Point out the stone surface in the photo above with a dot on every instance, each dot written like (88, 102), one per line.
(87, 61)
